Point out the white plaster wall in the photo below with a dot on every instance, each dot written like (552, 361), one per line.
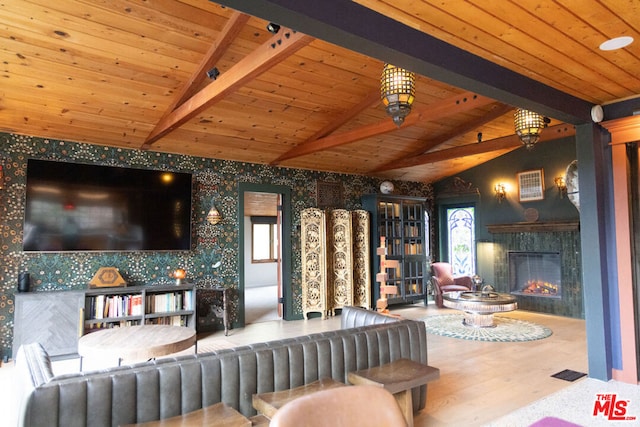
(260, 274)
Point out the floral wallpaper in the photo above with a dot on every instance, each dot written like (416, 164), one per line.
(214, 180)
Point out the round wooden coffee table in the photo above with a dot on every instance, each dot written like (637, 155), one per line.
(479, 306)
(137, 342)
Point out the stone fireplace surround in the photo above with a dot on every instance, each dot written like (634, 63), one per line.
(561, 237)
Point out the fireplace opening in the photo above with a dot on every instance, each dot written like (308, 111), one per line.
(535, 274)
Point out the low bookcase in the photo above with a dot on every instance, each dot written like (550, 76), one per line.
(57, 319)
(137, 305)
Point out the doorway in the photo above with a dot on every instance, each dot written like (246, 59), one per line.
(264, 253)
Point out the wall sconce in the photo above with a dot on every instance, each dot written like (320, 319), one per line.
(398, 91)
(562, 186)
(214, 217)
(501, 192)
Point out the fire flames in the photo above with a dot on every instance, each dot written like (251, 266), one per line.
(540, 287)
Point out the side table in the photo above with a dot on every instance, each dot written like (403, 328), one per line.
(213, 301)
(399, 377)
(217, 415)
(268, 404)
(479, 306)
(136, 343)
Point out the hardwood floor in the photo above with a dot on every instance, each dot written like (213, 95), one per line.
(480, 381)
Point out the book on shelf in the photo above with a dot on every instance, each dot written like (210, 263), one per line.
(168, 320)
(114, 306)
(169, 302)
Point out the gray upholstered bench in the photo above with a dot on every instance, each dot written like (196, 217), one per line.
(172, 386)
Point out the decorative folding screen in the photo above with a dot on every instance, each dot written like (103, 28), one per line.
(361, 259)
(341, 259)
(314, 262)
(335, 260)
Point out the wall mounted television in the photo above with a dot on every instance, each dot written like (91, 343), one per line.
(83, 207)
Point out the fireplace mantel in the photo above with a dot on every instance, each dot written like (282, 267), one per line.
(534, 227)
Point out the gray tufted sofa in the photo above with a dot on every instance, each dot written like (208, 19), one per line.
(172, 386)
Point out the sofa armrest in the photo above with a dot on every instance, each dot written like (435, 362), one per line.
(33, 369)
(353, 317)
(34, 365)
(465, 281)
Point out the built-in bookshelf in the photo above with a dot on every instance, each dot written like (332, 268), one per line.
(137, 305)
(401, 221)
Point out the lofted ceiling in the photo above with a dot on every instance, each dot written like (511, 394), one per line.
(133, 74)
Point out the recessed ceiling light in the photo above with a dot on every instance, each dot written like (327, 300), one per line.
(616, 43)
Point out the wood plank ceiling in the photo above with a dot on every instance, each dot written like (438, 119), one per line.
(133, 74)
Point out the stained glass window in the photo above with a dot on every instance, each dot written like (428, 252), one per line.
(461, 235)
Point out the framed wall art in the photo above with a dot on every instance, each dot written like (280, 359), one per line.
(531, 185)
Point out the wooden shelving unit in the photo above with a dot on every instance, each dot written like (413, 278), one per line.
(137, 305)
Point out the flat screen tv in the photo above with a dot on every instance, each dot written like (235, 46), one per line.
(82, 207)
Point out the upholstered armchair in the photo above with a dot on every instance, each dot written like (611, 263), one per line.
(354, 406)
(443, 281)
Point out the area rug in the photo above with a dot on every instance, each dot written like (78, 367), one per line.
(506, 330)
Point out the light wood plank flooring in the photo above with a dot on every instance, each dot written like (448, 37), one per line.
(480, 381)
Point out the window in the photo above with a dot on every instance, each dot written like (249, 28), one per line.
(461, 240)
(264, 239)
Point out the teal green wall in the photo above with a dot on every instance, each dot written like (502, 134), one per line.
(552, 157)
(214, 180)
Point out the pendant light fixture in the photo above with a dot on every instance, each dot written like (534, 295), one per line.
(398, 91)
(528, 126)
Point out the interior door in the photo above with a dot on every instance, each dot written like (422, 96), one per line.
(282, 208)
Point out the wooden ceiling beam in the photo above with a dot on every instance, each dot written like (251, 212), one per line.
(278, 47)
(228, 34)
(372, 99)
(504, 143)
(497, 111)
(435, 111)
(369, 101)
(356, 27)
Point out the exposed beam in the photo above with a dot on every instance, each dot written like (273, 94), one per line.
(497, 111)
(228, 34)
(278, 47)
(504, 143)
(372, 99)
(435, 111)
(355, 27)
(369, 101)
